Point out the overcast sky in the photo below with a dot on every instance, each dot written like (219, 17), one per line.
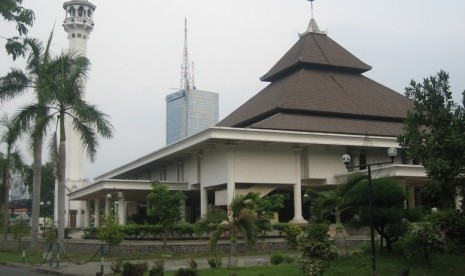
(136, 51)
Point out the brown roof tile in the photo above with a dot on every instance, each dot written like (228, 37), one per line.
(318, 86)
(325, 124)
(320, 91)
(316, 51)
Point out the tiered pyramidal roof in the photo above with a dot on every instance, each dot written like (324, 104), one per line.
(318, 86)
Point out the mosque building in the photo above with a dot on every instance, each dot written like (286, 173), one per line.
(287, 138)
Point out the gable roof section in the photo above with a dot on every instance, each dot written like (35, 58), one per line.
(323, 93)
(316, 50)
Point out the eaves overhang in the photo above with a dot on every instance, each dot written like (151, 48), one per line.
(225, 134)
(131, 189)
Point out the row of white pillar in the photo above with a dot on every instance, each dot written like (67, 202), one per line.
(230, 185)
(120, 211)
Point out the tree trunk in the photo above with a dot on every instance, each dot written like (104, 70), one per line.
(6, 189)
(61, 192)
(36, 183)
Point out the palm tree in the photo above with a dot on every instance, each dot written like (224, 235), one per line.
(10, 162)
(17, 82)
(239, 220)
(334, 202)
(67, 74)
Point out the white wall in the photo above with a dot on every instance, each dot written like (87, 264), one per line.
(265, 163)
(190, 169)
(214, 167)
(323, 162)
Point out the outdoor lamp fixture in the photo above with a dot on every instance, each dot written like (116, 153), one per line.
(392, 153)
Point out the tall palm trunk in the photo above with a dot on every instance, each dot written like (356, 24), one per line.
(6, 189)
(36, 183)
(61, 181)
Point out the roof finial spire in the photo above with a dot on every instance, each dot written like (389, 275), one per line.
(312, 26)
(311, 5)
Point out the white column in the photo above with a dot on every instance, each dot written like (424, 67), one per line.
(87, 214)
(121, 209)
(203, 202)
(182, 207)
(203, 191)
(231, 184)
(298, 189)
(97, 212)
(107, 206)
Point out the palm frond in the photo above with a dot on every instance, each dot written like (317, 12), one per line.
(13, 84)
(246, 227)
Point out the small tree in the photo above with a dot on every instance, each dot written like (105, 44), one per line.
(240, 219)
(434, 134)
(165, 207)
(266, 208)
(423, 237)
(334, 202)
(316, 249)
(388, 208)
(111, 232)
(19, 230)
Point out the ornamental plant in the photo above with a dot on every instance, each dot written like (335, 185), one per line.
(316, 250)
(422, 237)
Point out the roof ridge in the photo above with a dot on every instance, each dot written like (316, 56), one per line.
(319, 48)
(289, 89)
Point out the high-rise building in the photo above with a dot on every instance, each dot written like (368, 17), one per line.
(188, 110)
(78, 24)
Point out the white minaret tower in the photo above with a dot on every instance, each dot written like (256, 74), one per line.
(78, 25)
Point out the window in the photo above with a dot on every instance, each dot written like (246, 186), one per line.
(363, 161)
(72, 12)
(81, 11)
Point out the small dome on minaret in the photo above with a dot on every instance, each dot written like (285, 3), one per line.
(79, 21)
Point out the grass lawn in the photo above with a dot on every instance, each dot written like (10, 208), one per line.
(387, 264)
(441, 265)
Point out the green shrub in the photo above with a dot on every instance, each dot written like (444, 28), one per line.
(154, 229)
(280, 227)
(423, 237)
(193, 264)
(215, 262)
(158, 268)
(186, 272)
(452, 223)
(131, 269)
(316, 250)
(185, 229)
(90, 232)
(289, 259)
(276, 258)
(292, 231)
(131, 231)
(318, 231)
(117, 265)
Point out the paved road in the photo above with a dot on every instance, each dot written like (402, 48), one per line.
(15, 271)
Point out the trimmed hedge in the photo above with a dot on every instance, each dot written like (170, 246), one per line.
(155, 231)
